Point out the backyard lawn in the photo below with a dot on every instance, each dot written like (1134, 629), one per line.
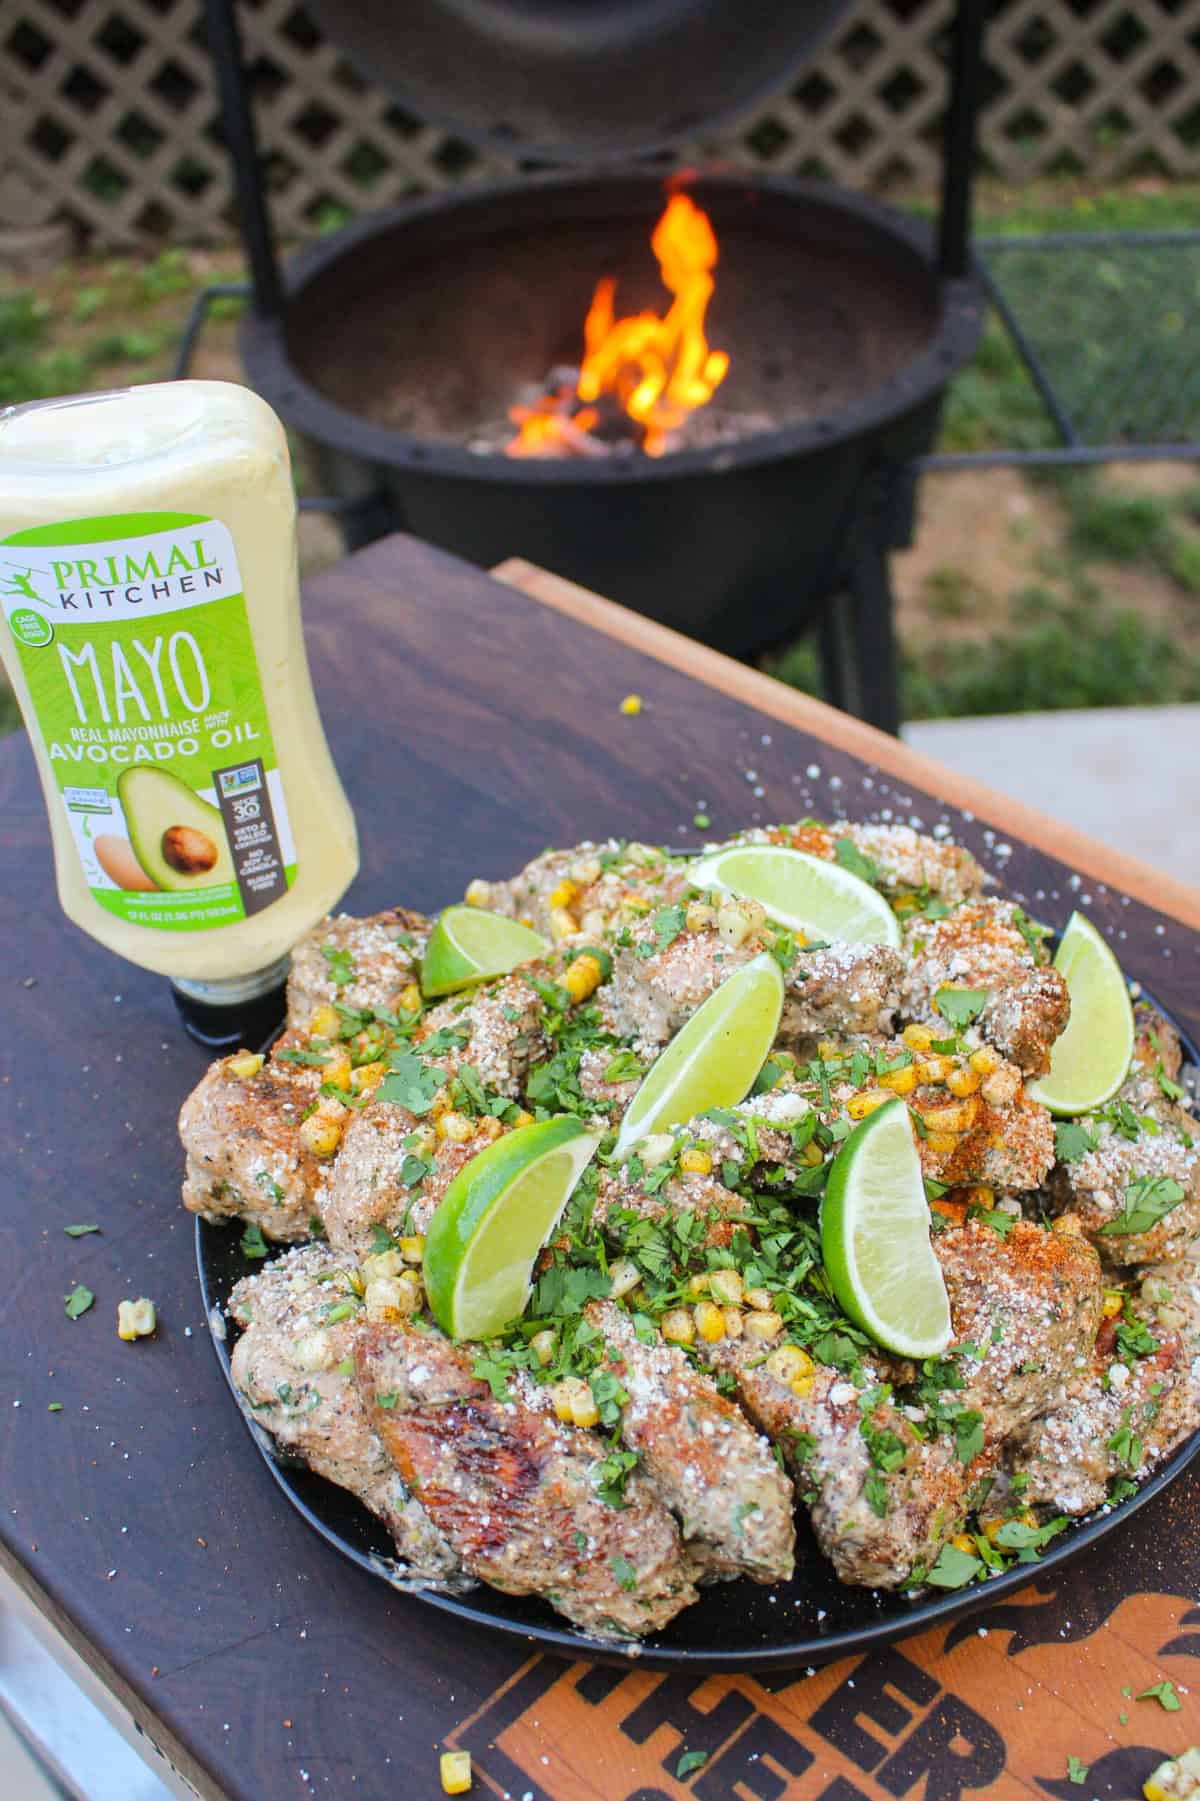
(1020, 592)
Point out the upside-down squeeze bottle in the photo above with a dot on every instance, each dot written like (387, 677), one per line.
(151, 631)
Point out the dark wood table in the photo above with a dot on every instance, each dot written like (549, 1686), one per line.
(474, 724)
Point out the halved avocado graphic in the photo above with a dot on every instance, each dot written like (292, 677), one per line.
(178, 839)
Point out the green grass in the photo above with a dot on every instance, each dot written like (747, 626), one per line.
(1059, 652)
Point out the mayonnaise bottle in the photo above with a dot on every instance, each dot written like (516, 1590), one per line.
(150, 599)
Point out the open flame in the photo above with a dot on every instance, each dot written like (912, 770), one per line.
(656, 370)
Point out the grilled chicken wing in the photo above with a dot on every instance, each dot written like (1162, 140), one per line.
(980, 946)
(594, 888)
(497, 1030)
(1140, 1140)
(393, 1171)
(905, 861)
(356, 962)
(515, 1491)
(705, 1460)
(1109, 1428)
(245, 1157)
(290, 1366)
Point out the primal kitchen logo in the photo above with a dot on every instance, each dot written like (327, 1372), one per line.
(159, 572)
(888, 1726)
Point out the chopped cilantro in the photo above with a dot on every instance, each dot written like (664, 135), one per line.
(339, 965)
(968, 1435)
(611, 1475)
(784, 949)
(690, 1760)
(310, 1059)
(79, 1231)
(1164, 1693)
(875, 1493)
(414, 1170)
(1076, 1771)
(1015, 1535)
(850, 857)
(253, 1244)
(1147, 1200)
(1170, 1089)
(1001, 1221)
(387, 1401)
(78, 1301)
(345, 1367)
(1134, 1338)
(960, 1005)
(622, 1068)
(667, 924)
(1125, 1444)
(495, 1374)
(1032, 932)
(1072, 1140)
(624, 1572)
(410, 1083)
(702, 821)
(954, 1568)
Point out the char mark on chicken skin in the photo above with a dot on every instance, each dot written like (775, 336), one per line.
(516, 1492)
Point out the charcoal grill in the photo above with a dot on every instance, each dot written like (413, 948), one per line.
(743, 544)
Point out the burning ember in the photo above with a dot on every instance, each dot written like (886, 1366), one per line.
(643, 369)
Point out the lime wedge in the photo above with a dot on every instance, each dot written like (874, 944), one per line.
(804, 893)
(1091, 1059)
(713, 1060)
(469, 944)
(498, 1213)
(875, 1238)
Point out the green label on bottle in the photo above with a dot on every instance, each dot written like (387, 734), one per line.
(132, 633)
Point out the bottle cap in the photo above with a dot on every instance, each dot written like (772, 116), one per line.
(235, 1010)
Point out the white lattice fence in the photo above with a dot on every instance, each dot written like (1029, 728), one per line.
(108, 115)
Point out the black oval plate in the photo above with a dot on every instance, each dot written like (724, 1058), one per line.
(734, 1626)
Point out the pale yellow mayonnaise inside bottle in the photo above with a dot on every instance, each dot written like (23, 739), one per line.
(151, 632)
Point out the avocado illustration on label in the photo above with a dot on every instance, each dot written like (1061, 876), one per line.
(178, 839)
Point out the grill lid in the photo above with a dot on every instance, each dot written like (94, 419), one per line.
(577, 80)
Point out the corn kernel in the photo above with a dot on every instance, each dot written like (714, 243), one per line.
(479, 893)
(962, 1541)
(827, 1050)
(413, 1249)
(1067, 1225)
(941, 1144)
(981, 1197)
(339, 1070)
(917, 1038)
(585, 871)
(582, 978)
(392, 1298)
(245, 1065)
(1170, 1318)
(802, 1386)
(565, 895)
(951, 1116)
(410, 998)
(812, 1154)
(1156, 1291)
(455, 1771)
(569, 1394)
(698, 915)
(456, 1127)
(488, 1129)
(899, 1081)
(758, 1298)
(631, 706)
(382, 1263)
(562, 924)
(1000, 1088)
(136, 1319)
(696, 1162)
(984, 1060)
(697, 1286)
(320, 1136)
(678, 1326)
(523, 1118)
(655, 1149)
(594, 922)
(726, 1287)
(584, 1411)
(367, 1077)
(1113, 1303)
(737, 919)
(324, 1022)
(623, 1276)
(962, 1082)
(735, 1321)
(788, 1362)
(544, 1345)
(933, 1069)
(764, 1325)
(860, 1105)
(709, 1322)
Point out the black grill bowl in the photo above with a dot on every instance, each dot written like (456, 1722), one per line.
(406, 332)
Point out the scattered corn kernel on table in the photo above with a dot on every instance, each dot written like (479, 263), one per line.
(474, 720)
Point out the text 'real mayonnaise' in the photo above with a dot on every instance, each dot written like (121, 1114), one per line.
(149, 590)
